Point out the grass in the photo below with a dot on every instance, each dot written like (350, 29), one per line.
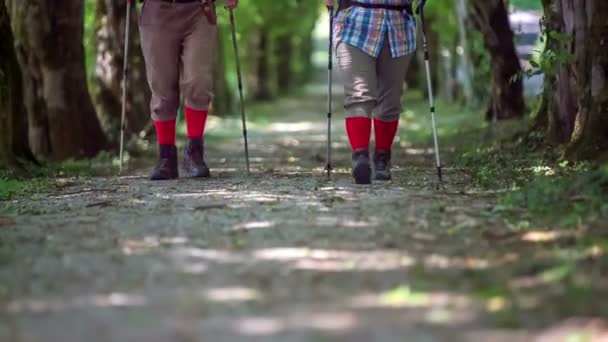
(538, 181)
(10, 188)
(506, 158)
(41, 179)
(452, 120)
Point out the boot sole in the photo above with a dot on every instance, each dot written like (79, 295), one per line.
(200, 175)
(363, 173)
(382, 177)
(203, 174)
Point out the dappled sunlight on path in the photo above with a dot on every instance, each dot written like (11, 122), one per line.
(283, 255)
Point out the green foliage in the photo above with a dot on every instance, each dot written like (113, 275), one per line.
(549, 61)
(527, 4)
(10, 188)
(447, 22)
(293, 18)
(89, 32)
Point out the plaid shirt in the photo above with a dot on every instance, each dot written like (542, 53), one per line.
(366, 28)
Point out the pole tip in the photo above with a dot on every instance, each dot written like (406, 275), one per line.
(440, 174)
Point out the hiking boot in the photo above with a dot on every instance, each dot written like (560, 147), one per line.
(362, 170)
(382, 165)
(194, 161)
(167, 164)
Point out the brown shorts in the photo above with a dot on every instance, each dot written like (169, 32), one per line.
(178, 44)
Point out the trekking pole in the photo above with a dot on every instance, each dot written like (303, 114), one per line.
(420, 12)
(125, 73)
(240, 85)
(328, 167)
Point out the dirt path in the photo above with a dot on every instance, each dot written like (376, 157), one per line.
(282, 256)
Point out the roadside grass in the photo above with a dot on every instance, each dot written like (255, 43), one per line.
(537, 181)
(36, 179)
(506, 158)
(554, 215)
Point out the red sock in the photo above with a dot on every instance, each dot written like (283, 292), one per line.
(359, 131)
(165, 132)
(385, 134)
(195, 122)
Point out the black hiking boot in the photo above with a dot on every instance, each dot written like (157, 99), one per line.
(382, 165)
(194, 159)
(362, 170)
(166, 168)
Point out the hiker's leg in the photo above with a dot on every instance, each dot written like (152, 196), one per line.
(358, 71)
(196, 84)
(391, 79)
(160, 42)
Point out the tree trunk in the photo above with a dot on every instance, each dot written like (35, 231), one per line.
(590, 135)
(13, 123)
(464, 59)
(304, 68)
(557, 114)
(492, 19)
(262, 90)
(48, 40)
(110, 18)
(284, 55)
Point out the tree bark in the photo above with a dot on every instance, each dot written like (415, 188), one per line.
(13, 123)
(48, 40)
(110, 20)
(492, 19)
(558, 113)
(590, 134)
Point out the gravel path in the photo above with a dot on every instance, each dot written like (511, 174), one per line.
(283, 255)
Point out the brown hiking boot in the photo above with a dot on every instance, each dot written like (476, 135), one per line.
(194, 159)
(362, 170)
(382, 165)
(167, 164)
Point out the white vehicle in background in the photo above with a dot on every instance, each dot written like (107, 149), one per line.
(527, 29)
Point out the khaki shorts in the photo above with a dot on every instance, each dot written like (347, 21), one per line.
(178, 44)
(372, 85)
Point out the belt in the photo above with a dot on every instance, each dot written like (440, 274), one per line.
(400, 8)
